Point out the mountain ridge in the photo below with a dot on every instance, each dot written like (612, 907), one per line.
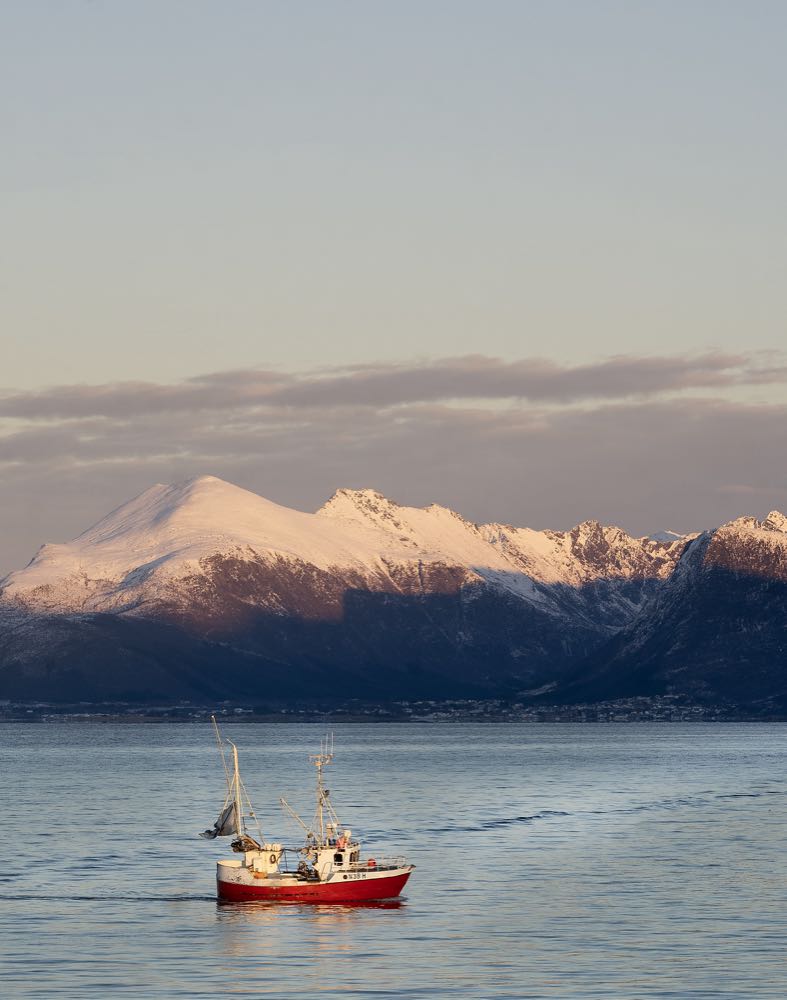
(167, 530)
(386, 597)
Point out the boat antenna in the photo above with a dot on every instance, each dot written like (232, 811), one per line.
(321, 760)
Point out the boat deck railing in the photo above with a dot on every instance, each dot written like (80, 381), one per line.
(380, 864)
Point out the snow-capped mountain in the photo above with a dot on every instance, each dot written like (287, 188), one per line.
(716, 631)
(143, 551)
(364, 595)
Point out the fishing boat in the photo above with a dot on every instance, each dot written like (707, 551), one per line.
(327, 868)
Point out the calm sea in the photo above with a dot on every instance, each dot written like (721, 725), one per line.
(624, 861)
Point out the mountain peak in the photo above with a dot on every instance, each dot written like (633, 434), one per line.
(201, 503)
(360, 497)
(591, 524)
(589, 529)
(374, 509)
(364, 505)
(205, 478)
(441, 511)
(775, 521)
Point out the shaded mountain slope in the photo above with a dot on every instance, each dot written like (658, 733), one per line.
(203, 586)
(717, 631)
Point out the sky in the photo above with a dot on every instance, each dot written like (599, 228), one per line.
(524, 259)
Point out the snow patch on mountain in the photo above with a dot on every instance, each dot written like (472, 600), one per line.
(667, 536)
(588, 553)
(435, 532)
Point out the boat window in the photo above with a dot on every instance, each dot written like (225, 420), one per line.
(338, 858)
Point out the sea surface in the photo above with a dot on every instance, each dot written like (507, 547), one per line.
(630, 861)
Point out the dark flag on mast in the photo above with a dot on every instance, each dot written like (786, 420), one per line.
(225, 826)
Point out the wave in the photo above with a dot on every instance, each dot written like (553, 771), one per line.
(696, 801)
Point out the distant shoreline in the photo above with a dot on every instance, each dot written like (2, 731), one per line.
(663, 709)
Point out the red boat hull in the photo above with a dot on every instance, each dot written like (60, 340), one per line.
(316, 892)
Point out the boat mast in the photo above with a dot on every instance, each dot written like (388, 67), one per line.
(321, 760)
(236, 790)
(220, 744)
